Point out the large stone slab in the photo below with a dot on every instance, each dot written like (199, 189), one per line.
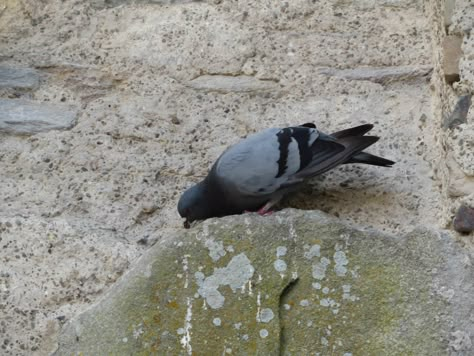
(101, 4)
(226, 83)
(295, 283)
(26, 117)
(19, 78)
(379, 74)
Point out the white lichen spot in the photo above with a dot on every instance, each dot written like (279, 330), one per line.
(237, 326)
(309, 323)
(292, 232)
(237, 273)
(346, 295)
(324, 302)
(324, 341)
(347, 354)
(125, 340)
(216, 249)
(325, 290)
(217, 321)
(280, 265)
(316, 285)
(281, 251)
(185, 270)
(147, 273)
(263, 333)
(328, 302)
(228, 351)
(199, 277)
(304, 303)
(319, 269)
(446, 293)
(230, 248)
(341, 262)
(186, 339)
(265, 315)
(287, 306)
(354, 272)
(245, 337)
(314, 251)
(335, 311)
(180, 331)
(346, 289)
(137, 331)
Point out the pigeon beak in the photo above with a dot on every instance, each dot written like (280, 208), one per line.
(186, 224)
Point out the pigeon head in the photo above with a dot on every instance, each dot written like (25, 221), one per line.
(193, 204)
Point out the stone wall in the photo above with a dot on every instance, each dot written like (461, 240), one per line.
(453, 86)
(110, 109)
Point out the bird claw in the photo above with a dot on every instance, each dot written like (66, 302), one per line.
(264, 212)
(261, 212)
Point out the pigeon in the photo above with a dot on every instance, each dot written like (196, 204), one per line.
(255, 173)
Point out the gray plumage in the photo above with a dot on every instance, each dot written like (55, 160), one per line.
(259, 170)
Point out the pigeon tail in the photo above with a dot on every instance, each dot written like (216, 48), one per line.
(367, 158)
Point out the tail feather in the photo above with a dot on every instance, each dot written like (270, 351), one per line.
(354, 131)
(367, 158)
(343, 151)
(362, 157)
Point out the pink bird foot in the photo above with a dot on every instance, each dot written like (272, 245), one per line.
(261, 211)
(264, 211)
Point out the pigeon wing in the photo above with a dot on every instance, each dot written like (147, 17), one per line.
(267, 161)
(276, 159)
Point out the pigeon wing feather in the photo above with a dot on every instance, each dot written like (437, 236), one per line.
(267, 161)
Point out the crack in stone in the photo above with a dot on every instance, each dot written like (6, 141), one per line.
(288, 288)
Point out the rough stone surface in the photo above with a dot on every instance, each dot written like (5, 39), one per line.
(464, 219)
(26, 117)
(462, 25)
(449, 6)
(101, 4)
(452, 54)
(41, 274)
(21, 78)
(463, 17)
(144, 134)
(343, 291)
(453, 154)
(459, 114)
(462, 143)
